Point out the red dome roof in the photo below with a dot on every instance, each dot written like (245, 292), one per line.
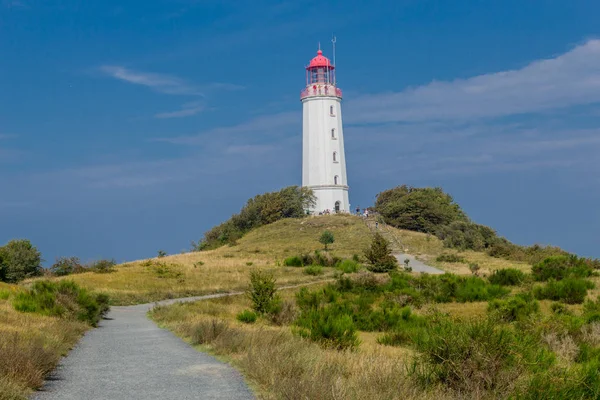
(320, 61)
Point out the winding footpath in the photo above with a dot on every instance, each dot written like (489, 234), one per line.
(129, 357)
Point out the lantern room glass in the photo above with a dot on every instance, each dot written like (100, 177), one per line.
(320, 75)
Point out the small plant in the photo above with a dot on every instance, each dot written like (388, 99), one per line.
(406, 267)
(313, 270)
(474, 268)
(379, 255)
(247, 317)
(507, 277)
(262, 291)
(515, 308)
(162, 253)
(348, 266)
(249, 263)
(293, 261)
(326, 239)
(198, 264)
(4, 294)
(328, 328)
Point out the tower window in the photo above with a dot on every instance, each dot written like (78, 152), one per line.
(335, 180)
(331, 111)
(335, 156)
(333, 133)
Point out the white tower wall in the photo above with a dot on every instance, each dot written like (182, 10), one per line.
(323, 136)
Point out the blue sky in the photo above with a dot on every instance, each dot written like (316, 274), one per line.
(128, 127)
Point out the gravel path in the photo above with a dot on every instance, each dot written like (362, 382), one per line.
(416, 265)
(129, 357)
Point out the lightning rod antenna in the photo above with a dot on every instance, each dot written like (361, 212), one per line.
(333, 40)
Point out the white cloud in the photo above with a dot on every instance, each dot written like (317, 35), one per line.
(570, 79)
(161, 83)
(187, 110)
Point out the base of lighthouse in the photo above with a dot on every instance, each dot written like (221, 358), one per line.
(330, 198)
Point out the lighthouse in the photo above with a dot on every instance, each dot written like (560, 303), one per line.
(323, 158)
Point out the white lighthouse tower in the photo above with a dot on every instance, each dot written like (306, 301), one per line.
(323, 158)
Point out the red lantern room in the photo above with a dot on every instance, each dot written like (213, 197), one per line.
(320, 71)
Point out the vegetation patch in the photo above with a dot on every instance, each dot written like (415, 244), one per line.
(507, 277)
(569, 290)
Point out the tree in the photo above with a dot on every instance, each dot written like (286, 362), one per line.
(379, 255)
(418, 209)
(326, 239)
(66, 266)
(262, 291)
(19, 259)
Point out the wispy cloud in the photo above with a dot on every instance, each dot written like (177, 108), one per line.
(266, 126)
(187, 110)
(570, 79)
(161, 83)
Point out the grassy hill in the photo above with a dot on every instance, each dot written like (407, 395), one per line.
(226, 268)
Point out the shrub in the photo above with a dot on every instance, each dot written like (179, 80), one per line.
(4, 294)
(560, 267)
(262, 291)
(205, 332)
(515, 308)
(507, 277)
(66, 266)
(63, 298)
(591, 310)
(326, 239)
(247, 316)
(474, 289)
(418, 209)
(348, 266)
(329, 328)
(161, 254)
(290, 202)
(379, 255)
(475, 357)
(313, 270)
(103, 266)
(19, 259)
(466, 235)
(452, 258)
(569, 290)
(293, 261)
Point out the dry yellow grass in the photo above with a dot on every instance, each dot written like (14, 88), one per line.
(280, 365)
(226, 269)
(30, 346)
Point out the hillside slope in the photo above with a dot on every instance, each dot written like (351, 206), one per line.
(227, 268)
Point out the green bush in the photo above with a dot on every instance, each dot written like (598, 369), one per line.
(64, 299)
(19, 260)
(66, 266)
(313, 270)
(476, 289)
(4, 294)
(466, 235)
(515, 308)
(452, 258)
(262, 291)
(379, 255)
(569, 290)
(476, 357)
(418, 209)
(103, 266)
(247, 317)
(328, 328)
(591, 310)
(293, 261)
(578, 382)
(326, 239)
(560, 267)
(507, 277)
(290, 202)
(348, 266)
